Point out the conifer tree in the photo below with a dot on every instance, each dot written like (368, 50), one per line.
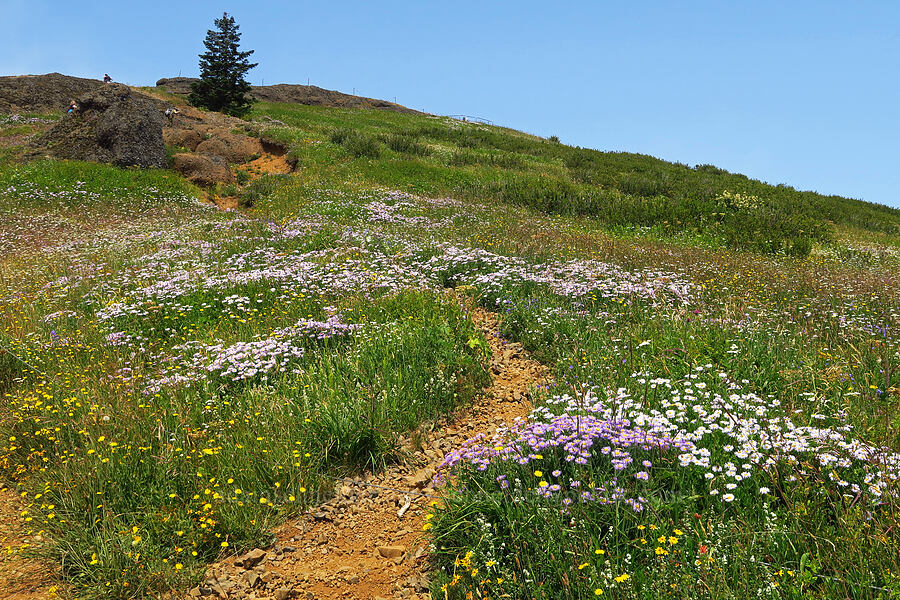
(222, 86)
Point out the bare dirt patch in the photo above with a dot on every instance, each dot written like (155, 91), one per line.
(21, 576)
(357, 545)
(266, 164)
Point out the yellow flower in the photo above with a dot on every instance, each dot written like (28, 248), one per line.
(622, 577)
(598, 592)
(538, 474)
(178, 566)
(678, 532)
(599, 551)
(223, 544)
(582, 565)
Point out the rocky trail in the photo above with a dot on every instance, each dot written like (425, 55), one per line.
(367, 542)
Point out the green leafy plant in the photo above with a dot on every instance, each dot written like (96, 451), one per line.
(222, 86)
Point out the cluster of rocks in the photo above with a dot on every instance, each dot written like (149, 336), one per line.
(119, 125)
(210, 143)
(254, 578)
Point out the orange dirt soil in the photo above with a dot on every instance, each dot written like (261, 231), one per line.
(21, 577)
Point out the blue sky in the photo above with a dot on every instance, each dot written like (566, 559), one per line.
(802, 93)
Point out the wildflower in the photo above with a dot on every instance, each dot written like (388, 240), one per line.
(623, 577)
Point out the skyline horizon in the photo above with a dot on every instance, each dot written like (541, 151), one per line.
(780, 94)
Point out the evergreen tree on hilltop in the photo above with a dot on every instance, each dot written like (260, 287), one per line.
(222, 86)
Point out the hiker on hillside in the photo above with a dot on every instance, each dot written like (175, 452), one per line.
(171, 112)
(107, 78)
(72, 107)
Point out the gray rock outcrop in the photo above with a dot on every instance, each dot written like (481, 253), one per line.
(112, 125)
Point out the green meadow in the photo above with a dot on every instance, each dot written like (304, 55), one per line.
(176, 381)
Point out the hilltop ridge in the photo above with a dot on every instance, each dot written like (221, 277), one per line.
(53, 91)
(309, 95)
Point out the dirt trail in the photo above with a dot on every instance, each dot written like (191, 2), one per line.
(21, 577)
(355, 545)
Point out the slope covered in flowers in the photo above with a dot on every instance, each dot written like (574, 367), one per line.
(175, 380)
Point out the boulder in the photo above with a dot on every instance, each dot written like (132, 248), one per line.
(42, 93)
(183, 137)
(233, 148)
(203, 169)
(112, 125)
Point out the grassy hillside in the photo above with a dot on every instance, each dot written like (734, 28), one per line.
(434, 155)
(175, 380)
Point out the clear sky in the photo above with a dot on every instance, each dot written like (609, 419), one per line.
(802, 93)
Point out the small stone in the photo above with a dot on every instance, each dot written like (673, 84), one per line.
(253, 578)
(250, 559)
(391, 551)
(268, 576)
(282, 593)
